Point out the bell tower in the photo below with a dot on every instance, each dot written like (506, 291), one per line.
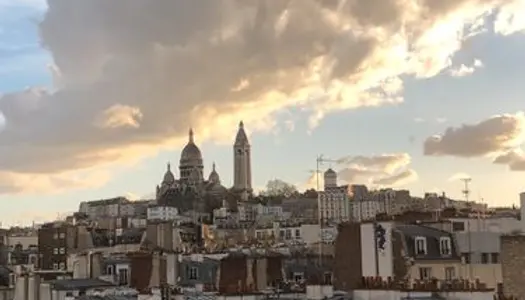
(242, 169)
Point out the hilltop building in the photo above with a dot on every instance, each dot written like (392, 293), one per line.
(192, 191)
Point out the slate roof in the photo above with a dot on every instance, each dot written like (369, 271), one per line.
(78, 284)
(432, 235)
(4, 275)
(108, 297)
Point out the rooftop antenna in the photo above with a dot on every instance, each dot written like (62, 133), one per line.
(466, 194)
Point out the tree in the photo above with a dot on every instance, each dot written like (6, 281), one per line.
(310, 193)
(279, 188)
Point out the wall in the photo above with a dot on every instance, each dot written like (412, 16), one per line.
(480, 242)
(348, 253)
(310, 233)
(30, 288)
(513, 264)
(438, 269)
(206, 272)
(7, 293)
(368, 253)
(25, 241)
(397, 295)
(522, 211)
(490, 274)
(503, 225)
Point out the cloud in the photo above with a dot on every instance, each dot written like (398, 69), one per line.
(499, 137)
(17, 183)
(120, 116)
(400, 178)
(132, 196)
(464, 70)
(383, 170)
(212, 63)
(438, 120)
(509, 20)
(499, 133)
(459, 176)
(27, 217)
(40, 5)
(515, 159)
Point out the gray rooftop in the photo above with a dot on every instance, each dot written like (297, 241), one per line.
(108, 297)
(432, 235)
(78, 284)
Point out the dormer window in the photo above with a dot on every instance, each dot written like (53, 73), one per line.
(445, 246)
(420, 245)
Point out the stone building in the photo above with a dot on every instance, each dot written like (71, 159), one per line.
(191, 192)
(512, 265)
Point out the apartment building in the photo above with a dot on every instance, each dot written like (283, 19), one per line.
(54, 243)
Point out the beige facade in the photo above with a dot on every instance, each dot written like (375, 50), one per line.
(441, 270)
(490, 274)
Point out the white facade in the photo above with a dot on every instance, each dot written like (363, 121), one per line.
(334, 205)
(117, 207)
(269, 210)
(365, 210)
(505, 225)
(308, 234)
(383, 265)
(359, 191)
(247, 212)
(137, 222)
(164, 213)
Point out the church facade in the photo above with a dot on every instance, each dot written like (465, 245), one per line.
(191, 191)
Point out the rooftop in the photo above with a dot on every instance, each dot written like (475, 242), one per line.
(79, 284)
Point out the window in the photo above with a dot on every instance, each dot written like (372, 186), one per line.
(445, 246)
(425, 273)
(494, 258)
(458, 226)
(328, 278)
(484, 258)
(298, 276)
(259, 235)
(55, 266)
(297, 233)
(62, 250)
(62, 266)
(281, 233)
(450, 273)
(123, 276)
(194, 273)
(55, 236)
(55, 250)
(288, 234)
(466, 258)
(62, 235)
(421, 245)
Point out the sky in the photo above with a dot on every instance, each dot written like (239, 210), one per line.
(96, 97)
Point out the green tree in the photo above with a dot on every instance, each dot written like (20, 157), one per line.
(279, 188)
